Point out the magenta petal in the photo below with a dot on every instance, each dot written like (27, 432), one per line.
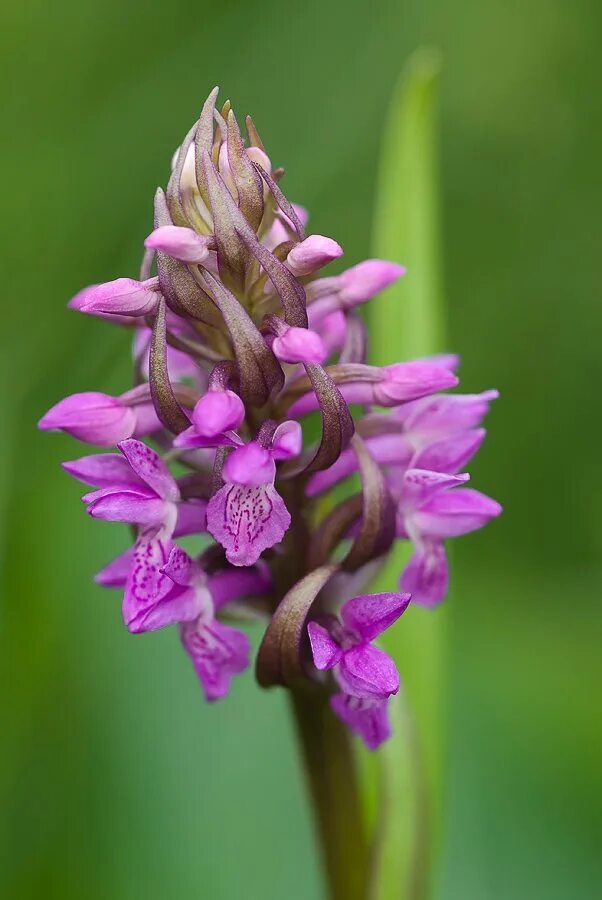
(408, 381)
(247, 520)
(456, 512)
(368, 718)
(448, 413)
(325, 651)
(251, 465)
(179, 567)
(103, 470)
(116, 573)
(91, 417)
(192, 518)
(368, 278)
(218, 652)
(426, 575)
(190, 439)
(451, 454)
(149, 466)
(370, 615)
(151, 599)
(366, 671)
(237, 584)
(128, 506)
(287, 440)
(216, 412)
(419, 485)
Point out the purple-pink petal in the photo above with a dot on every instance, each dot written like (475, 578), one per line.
(452, 453)
(130, 506)
(251, 465)
(218, 652)
(366, 717)
(371, 614)
(362, 282)
(367, 671)
(246, 520)
(216, 412)
(419, 485)
(237, 584)
(115, 574)
(149, 466)
(91, 417)
(103, 470)
(191, 517)
(287, 440)
(325, 651)
(426, 576)
(454, 513)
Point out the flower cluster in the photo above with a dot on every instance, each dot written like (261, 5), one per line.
(237, 342)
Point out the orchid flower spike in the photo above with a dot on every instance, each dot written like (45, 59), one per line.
(237, 338)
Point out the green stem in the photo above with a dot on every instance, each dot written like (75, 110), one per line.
(332, 781)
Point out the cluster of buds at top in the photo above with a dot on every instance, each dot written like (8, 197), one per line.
(237, 341)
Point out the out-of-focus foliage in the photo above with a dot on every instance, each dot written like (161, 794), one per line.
(115, 778)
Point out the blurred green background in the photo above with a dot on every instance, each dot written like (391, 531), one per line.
(116, 780)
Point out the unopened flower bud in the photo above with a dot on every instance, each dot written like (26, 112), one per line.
(313, 253)
(180, 243)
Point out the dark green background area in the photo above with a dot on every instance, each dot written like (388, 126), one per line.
(116, 780)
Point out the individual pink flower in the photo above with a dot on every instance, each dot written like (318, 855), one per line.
(247, 515)
(431, 507)
(366, 675)
(437, 432)
(100, 419)
(214, 419)
(166, 587)
(137, 488)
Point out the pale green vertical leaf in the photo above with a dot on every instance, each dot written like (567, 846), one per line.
(408, 322)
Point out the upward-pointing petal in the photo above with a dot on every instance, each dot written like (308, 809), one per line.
(370, 615)
(149, 466)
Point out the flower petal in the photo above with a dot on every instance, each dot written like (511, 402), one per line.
(419, 485)
(368, 718)
(151, 600)
(371, 614)
(367, 671)
(192, 518)
(237, 584)
(455, 512)
(103, 470)
(116, 573)
(246, 520)
(251, 465)
(130, 506)
(451, 454)
(287, 440)
(325, 651)
(91, 417)
(426, 576)
(218, 652)
(149, 466)
(216, 412)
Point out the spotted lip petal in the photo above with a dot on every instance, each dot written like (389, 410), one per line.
(246, 520)
(218, 652)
